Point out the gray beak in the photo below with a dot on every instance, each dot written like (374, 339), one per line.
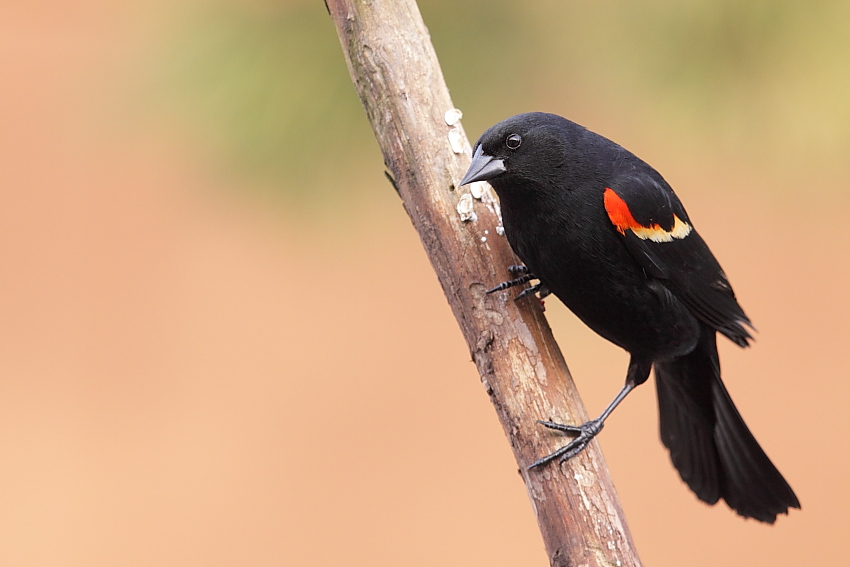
(483, 167)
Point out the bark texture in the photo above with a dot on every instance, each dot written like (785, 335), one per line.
(396, 73)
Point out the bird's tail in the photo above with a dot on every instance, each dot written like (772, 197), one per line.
(709, 443)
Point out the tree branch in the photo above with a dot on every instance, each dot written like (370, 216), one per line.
(397, 75)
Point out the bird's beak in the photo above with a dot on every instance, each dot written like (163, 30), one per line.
(483, 167)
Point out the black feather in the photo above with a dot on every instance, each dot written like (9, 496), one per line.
(608, 236)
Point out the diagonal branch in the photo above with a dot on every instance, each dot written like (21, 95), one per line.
(397, 75)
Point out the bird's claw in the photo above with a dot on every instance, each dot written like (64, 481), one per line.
(511, 283)
(536, 288)
(520, 275)
(585, 434)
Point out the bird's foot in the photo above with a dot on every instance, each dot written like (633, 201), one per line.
(542, 289)
(510, 283)
(520, 275)
(585, 433)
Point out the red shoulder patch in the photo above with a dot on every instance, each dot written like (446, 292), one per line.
(622, 219)
(618, 211)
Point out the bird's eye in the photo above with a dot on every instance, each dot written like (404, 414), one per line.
(513, 141)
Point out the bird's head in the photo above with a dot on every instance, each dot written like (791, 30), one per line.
(522, 149)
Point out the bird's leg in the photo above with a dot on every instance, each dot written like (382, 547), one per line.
(637, 374)
(584, 432)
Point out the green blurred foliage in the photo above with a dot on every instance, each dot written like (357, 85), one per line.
(267, 86)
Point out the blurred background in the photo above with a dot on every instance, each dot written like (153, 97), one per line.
(222, 343)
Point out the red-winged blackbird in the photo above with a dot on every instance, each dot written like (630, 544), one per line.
(605, 233)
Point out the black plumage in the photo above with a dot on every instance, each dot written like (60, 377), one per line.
(605, 233)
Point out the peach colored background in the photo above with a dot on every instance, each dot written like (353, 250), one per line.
(191, 375)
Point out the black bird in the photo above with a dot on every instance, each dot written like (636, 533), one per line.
(605, 233)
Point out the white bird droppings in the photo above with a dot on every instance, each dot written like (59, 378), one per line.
(478, 189)
(465, 209)
(453, 116)
(456, 140)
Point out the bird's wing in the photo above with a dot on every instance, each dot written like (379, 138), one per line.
(659, 235)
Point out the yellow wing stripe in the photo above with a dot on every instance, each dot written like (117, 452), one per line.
(621, 217)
